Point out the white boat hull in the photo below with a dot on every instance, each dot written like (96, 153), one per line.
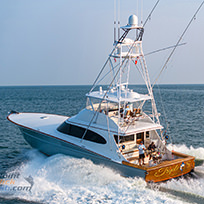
(50, 145)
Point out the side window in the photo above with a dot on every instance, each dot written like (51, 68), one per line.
(147, 134)
(76, 131)
(94, 137)
(128, 138)
(64, 128)
(116, 138)
(139, 136)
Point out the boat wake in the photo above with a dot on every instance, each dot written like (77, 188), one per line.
(63, 179)
(189, 188)
(198, 153)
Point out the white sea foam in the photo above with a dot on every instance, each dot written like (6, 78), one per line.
(198, 153)
(191, 185)
(200, 170)
(63, 179)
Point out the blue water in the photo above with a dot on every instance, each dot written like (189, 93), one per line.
(62, 179)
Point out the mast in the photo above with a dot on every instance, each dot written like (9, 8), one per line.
(135, 53)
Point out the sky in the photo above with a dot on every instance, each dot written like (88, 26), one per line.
(64, 42)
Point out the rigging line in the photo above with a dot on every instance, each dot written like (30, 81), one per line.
(138, 69)
(110, 142)
(108, 73)
(165, 117)
(119, 41)
(162, 49)
(93, 86)
(165, 65)
(123, 70)
(112, 67)
(148, 17)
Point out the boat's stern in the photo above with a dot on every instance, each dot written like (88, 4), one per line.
(171, 169)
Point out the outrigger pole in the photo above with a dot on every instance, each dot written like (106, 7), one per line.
(162, 49)
(177, 44)
(149, 16)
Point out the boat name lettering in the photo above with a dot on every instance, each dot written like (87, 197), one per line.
(167, 170)
(171, 169)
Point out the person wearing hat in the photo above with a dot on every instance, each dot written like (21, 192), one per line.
(141, 152)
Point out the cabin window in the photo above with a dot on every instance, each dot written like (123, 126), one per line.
(64, 128)
(139, 136)
(77, 131)
(147, 135)
(94, 137)
(128, 138)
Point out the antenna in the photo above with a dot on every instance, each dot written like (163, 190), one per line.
(114, 21)
(136, 32)
(118, 19)
(141, 12)
(137, 7)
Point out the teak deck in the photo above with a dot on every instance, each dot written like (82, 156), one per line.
(167, 169)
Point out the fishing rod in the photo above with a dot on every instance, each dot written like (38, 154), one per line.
(165, 65)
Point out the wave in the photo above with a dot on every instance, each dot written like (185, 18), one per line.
(63, 179)
(198, 153)
(191, 187)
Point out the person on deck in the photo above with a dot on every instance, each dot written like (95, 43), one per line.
(141, 153)
(127, 111)
(151, 149)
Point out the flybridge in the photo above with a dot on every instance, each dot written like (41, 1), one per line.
(125, 95)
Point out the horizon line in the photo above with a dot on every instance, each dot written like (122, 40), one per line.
(85, 85)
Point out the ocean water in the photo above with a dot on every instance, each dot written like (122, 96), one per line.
(63, 179)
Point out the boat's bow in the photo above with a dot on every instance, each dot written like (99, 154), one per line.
(41, 122)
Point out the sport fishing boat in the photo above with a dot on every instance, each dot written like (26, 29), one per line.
(113, 123)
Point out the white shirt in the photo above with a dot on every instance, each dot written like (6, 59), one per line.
(141, 151)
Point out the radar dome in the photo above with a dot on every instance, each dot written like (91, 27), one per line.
(133, 20)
